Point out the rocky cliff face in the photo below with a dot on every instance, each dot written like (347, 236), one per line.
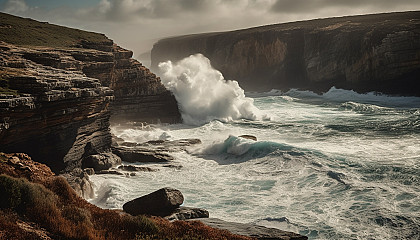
(378, 52)
(58, 117)
(59, 92)
(61, 114)
(139, 94)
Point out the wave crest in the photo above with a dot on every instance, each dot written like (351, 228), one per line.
(203, 94)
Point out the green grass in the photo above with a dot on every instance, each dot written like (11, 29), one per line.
(25, 31)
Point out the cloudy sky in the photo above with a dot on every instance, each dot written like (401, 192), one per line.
(137, 24)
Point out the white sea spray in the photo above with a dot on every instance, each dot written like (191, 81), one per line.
(203, 94)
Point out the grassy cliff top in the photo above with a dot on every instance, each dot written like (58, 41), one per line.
(25, 31)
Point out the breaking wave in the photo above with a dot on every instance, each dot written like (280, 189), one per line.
(203, 94)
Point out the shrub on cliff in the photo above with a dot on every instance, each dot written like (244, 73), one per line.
(56, 208)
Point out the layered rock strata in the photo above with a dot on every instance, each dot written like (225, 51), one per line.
(379, 52)
(139, 94)
(57, 94)
(62, 111)
(59, 117)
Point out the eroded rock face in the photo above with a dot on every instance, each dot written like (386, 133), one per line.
(62, 112)
(139, 94)
(101, 161)
(378, 52)
(144, 155)
(159, 203)
(59, 116)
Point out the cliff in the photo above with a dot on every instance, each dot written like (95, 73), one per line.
(379, 52)
(59, 87)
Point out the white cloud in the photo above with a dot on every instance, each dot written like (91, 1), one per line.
(137, 24)
(15, 6)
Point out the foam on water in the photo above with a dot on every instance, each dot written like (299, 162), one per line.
(328, 168)
(203, 94)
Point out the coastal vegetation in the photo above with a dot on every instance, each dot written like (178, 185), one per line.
(35, 204)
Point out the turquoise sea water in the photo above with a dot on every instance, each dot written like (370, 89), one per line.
(335, 166)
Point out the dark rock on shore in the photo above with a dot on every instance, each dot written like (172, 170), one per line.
(159, 203)
(115, 172)
(101, 161)
(141, 155)
(162, 145)
(378, 52)
(252, 230)
(78, 179)
(132, 168)
(184, 213)
(250, 137)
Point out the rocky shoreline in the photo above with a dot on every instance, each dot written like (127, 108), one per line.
(56, 105)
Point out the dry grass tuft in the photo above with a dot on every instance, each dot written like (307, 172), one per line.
(51, 208)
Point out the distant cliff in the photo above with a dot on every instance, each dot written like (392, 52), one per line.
(379, 52)
(59, 87)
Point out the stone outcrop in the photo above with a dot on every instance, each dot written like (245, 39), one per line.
(57, 94)
(101, 161)
(144, 155)
(139, 94)
(60, 116)
(379, 52)
(159, 203)
(184, 213)
(252, 230)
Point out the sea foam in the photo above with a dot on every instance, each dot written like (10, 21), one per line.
(203, 94)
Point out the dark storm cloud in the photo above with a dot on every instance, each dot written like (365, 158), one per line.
(123, 10)
(137, 24)
(305, 6)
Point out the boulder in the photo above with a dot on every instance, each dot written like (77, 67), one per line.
(101, 161)
(162, 203)
(131, 168)
(184, 213)
(252, 230)
(141, 155)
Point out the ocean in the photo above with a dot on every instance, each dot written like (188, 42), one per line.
(338, 165)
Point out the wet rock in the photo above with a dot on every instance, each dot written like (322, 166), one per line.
(141, 155)
(110, 172)
(79, 181)
(132, 168)
(177, 167)
(184, 213)
(252, 230)
(89, 171)
(336, 176)
(128, 144)
(101, 161)
(250, 137)
(179, 142)
(162, 203)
